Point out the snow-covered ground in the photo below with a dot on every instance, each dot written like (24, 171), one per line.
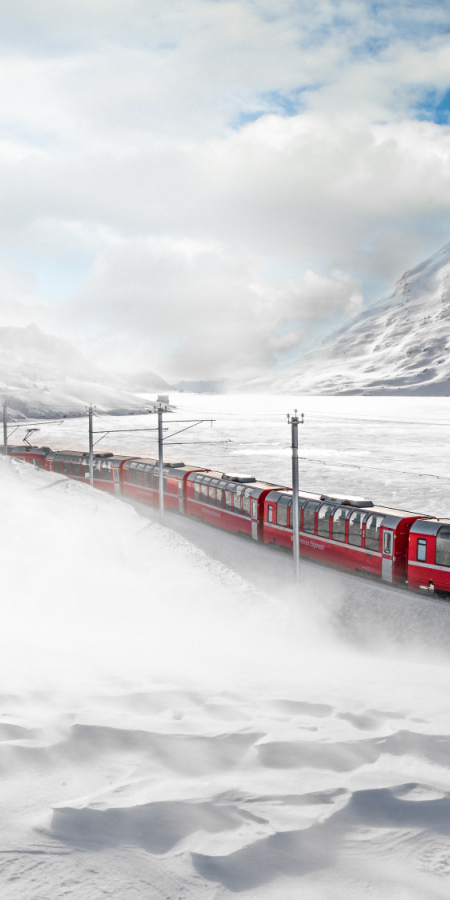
(179, 720)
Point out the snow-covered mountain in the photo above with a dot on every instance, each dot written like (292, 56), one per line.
(44, 375)
(400, 345)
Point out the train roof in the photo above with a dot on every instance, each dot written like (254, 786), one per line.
(133, 462)
(429, 525)
(367, 506)
(248, 481)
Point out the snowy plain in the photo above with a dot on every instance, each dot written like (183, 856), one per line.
(180, 720)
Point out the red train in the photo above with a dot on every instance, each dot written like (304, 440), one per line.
(393, 545)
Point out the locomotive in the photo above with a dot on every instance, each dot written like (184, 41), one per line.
(395, 546)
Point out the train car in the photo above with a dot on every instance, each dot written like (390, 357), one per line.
(37, 456)
(75, 464)
(230, 501)
(140, 480)
(345, 532)
(429, 556)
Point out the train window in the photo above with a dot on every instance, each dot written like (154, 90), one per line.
(204, 493)
(116, 474)
(67, 467)
(254, 509)
(39, 463)
(323, 520)
(77, 469)
(443, 546)
(106, 473)
(196, 491)
(309, 516)
(228, 503)
(339, 518)
(282, 510)
(219, 495)
(237, 503)
(58, 466)
(212, 496)
(270, 513)
(246, 503)
(373, 526)
(421, 550)
(355, 524)
(387, 543)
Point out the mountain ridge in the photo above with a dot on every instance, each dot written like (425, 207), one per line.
(399, 345)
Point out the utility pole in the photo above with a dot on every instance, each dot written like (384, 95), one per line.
(160, 460)
(91, 447)
(5, 428)
(294, 422)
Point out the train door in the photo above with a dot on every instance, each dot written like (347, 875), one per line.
(115, 474)
(254, 515)
(180, 497)
(387, 560)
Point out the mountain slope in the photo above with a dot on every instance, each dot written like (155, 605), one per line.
(44, 375)
(399, 345)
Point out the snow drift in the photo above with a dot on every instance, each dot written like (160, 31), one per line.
(168, 729)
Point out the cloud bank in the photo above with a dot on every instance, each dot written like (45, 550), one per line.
(202, 187)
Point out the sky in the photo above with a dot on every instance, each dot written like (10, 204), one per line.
(205, 188)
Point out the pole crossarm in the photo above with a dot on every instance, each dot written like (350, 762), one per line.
(194, 422)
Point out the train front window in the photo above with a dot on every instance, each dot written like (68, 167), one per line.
(443, 546)
(373, 531)
(355, 524)
(309, 516)
(323, 520)
(421, 550)
(339, 517)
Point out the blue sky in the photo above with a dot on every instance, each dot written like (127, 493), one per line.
(170, 170)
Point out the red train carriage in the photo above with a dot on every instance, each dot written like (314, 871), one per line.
(344, 532)
(429, 556)
(140, 479)
(232, 502)
(35, 455)
(75, 464)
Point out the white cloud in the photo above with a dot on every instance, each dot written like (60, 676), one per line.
(130, 167)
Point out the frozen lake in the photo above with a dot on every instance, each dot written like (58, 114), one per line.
(396, 449)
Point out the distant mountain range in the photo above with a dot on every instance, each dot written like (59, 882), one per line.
(43, 375)
(398, 346)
